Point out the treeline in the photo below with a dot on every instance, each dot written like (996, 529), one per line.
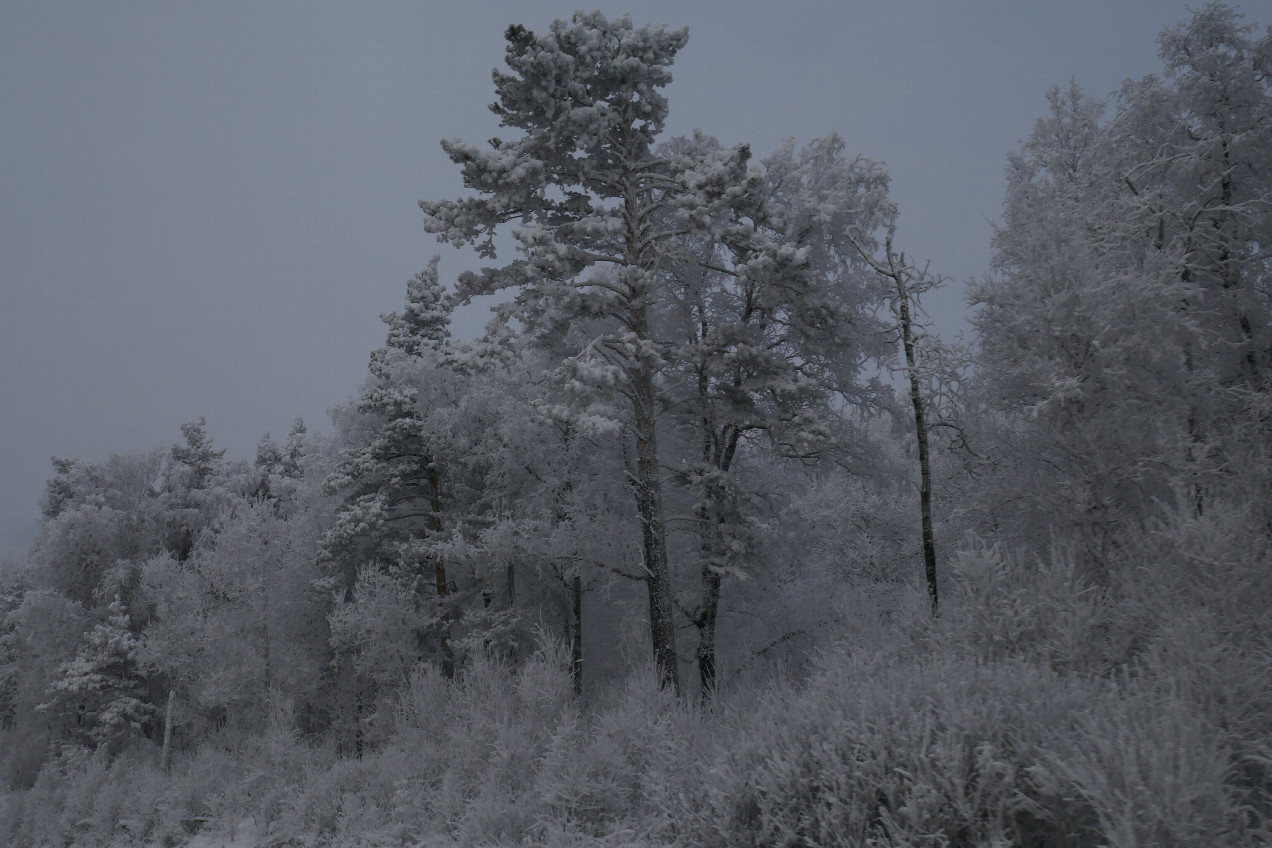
(664, 557)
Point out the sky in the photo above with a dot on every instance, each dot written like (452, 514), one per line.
(205, 207)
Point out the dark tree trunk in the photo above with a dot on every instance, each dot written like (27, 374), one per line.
(721, 457)
(576, 635)
(439, 579)
(899, 273)
(648, 485)
(707, 631)
(166, 752)
(921, 432)
(649, 504)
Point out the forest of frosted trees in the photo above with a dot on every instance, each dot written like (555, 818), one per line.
(708, 539)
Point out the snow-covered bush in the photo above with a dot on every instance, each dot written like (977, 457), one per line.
(880, 750)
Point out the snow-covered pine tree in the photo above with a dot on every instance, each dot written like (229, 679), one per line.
(268, 467)
(99, 697)
(599, 212)
(392, 485)
(278, 467)
(295, 449)
(424, 322)
(269, 455)
(190, 497)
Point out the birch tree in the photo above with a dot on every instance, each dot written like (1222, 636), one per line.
(240, 619)
(906, 284)
(1195, 156)
(1127, 327)
(771, 317)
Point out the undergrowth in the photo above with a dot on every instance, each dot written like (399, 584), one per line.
(1043, 708)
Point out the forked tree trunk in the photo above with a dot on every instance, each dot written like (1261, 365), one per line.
(898, 272)
(721, 457)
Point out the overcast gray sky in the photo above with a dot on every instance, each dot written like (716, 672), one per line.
(204, 207)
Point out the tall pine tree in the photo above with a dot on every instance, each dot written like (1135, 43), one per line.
(600, 212)
(390, 479)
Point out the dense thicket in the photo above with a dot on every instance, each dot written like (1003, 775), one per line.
(466, 617)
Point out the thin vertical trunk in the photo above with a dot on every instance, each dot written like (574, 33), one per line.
(576, 635)
(448, 655)
(510, 581)
(166, 752)
(722, 458)
(358, 708)
(648, 484)
(1195, 447)
(266, 614)
(707, 631)
(439, 578)
(649, 505)
(269, 666)
(920, 428)
(1228, 275)
(897, 271)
